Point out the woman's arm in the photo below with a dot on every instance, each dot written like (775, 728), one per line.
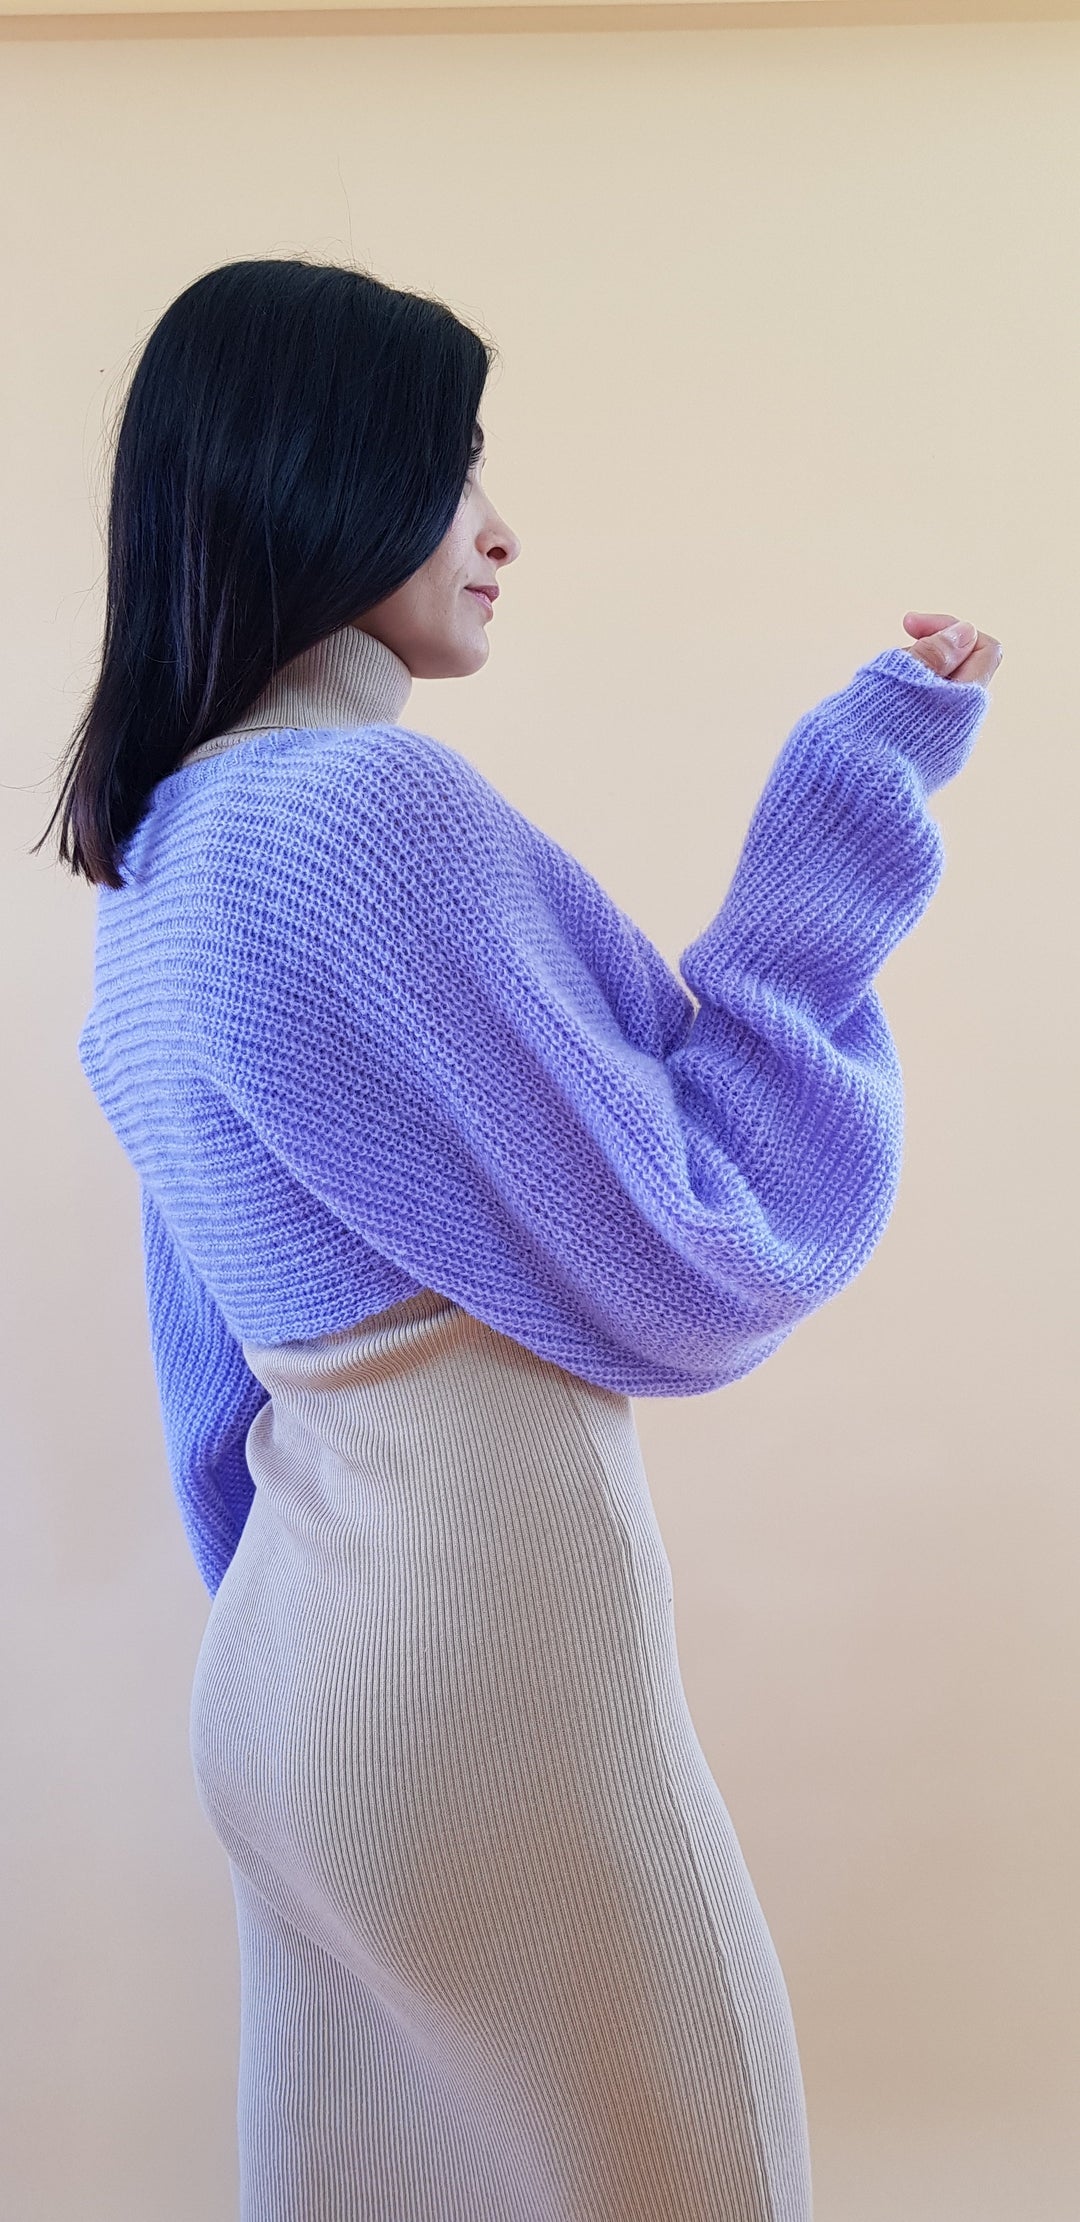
(452, 1037)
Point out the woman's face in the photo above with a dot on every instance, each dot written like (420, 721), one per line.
(433, 622)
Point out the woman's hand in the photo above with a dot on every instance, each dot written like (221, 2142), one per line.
(975, 657)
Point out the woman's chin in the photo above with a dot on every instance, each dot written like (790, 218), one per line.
(470, 654)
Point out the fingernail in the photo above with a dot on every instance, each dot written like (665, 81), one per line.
(961, 635)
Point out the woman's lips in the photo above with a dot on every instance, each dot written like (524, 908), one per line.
(478, 595)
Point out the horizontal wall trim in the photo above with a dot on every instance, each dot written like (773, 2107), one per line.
(135, 19)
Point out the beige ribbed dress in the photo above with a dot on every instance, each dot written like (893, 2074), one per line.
(501, 1958)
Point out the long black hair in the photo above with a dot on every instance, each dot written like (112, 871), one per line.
(294, 445)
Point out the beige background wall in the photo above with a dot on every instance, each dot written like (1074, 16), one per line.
(789, 326)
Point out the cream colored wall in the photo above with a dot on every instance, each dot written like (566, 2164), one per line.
(789, 327)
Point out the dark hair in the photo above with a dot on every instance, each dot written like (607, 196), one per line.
(294, 445)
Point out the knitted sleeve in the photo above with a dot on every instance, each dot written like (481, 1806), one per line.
(456, 1040)
(208, 1397)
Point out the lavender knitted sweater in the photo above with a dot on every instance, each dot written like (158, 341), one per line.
(363, 1029)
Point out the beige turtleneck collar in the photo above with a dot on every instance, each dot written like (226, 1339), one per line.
(347, 678)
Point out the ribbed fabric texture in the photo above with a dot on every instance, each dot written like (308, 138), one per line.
(349, 676)
(501, 1958)
(364, 1029)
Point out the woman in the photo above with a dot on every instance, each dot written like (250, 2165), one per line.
(441, 1165)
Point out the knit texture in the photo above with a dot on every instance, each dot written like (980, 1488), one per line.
(364, 1029)
(501, 1958)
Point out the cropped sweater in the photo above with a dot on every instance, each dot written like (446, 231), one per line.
(363, 1029)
